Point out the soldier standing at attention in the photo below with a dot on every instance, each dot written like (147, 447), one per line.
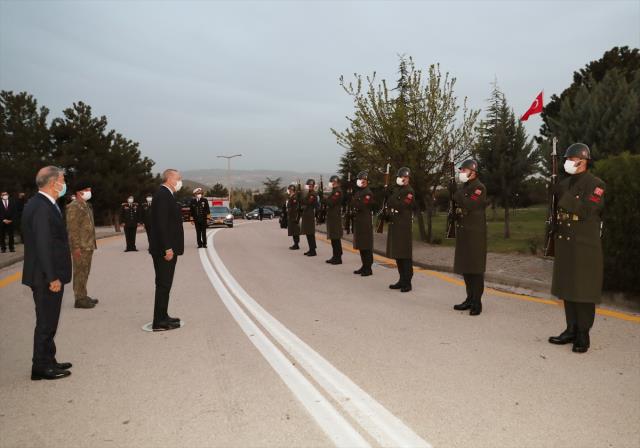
(82, 242)
(361, 204)
(129, 217)
(334, 220)
(293, 217)
(471, 236)
(200, 211)
(145, 216)
(309, 203)
(400, 233)
(578, 264)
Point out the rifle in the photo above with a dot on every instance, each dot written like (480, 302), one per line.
(384, 211)
(348, 215)
(552, 218)
(451, 215)
(321, 212)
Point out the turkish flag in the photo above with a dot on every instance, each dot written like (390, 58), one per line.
(536, 108)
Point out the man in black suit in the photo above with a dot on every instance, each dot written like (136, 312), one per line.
(46, 269)
(167, 242)
(8, 215)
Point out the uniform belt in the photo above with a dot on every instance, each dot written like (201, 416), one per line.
(568, 217)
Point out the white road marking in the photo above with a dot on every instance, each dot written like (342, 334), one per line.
(334, 425)
(375, 419)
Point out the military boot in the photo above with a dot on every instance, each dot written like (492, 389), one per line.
(582, 342)
(566, 337)
(359, 271)
(476, 309)
(84, 303)
(294, 247)
(463, 306)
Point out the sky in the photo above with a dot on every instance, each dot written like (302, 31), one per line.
(193, 80)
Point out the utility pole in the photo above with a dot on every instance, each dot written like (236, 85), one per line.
(229, 173)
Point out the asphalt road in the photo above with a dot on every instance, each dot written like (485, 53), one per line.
(279, 349)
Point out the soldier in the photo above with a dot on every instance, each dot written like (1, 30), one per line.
(200, 211)
(293, 217)
(399, 238)
(308, 204)
(361, 204)
(8, 215)
(129, 217)
(578, 264)
(145, 216)
(82, 242)
(334, 220)
(471, 236)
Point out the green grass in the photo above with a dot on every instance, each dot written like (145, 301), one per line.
(527, 230)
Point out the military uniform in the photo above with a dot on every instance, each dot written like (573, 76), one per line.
(471, 242)
(129, 217)
(293, 220)
(199, 213)
(82, 236)
(400, 234)
(309, 202)
(361, 204)
(145, 218)
(578, 263)
(334, 224)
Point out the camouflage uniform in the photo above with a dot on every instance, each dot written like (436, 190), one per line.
(82, 235)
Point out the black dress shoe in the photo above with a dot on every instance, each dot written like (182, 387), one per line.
(204, 247)
(476, 309)
(395, 286)
(337, 261)
(199, 246)
(173, 319)
(165, 325)
(566, 337)
(358, 271)
(405, 288)
(330, 260)
(63, 365)
(582, 342)
(311, 254)
(366, 273)
(50, 373)
(294, 247)
(463, 306)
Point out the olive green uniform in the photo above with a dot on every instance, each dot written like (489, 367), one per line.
(293, 219)
(400, 235)
(334, 221)
(82, 236)
(471, 238)
(129, 217)
(361, 204)
(578, 263)
(309, 203)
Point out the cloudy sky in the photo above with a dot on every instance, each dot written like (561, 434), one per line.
(191, 80)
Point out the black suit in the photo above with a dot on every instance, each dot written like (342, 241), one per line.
(166, 233)
(47, 257)
(9, 212)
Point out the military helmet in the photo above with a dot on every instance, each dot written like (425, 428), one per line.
(578, 150)
(469, 164)
(334, 178)
(311, 182)
(404, 171)
(363, 175)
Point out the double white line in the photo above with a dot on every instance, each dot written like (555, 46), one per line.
(371, 416)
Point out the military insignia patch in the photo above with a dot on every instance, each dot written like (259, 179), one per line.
(409, 198)
(478, 192)
(367, 199)
(598, 191)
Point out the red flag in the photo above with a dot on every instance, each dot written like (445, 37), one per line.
(536, 108)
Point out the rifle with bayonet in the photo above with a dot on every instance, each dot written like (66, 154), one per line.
(552, 218)
(321, 211)
(348, 213)
(451, 215)
(384, 211)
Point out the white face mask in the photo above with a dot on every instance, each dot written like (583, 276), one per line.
(306, 187)
(198, 196)
(149, 199)
(464, 177)
(400, 181)
(5, 197)
(360, 183)
(130, 200)
(86, 195)
(570, 167)
(179, 185)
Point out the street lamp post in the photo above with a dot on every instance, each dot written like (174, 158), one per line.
(229, 173)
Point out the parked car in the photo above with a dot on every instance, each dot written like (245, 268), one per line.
(237, 213)
(267, 213)
(185, 210)
(220, 216)
(276, 210)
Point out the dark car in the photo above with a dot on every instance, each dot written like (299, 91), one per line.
(267, 213)
(185, 210)
(276, 210)
(237, 213)
(220, 216)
